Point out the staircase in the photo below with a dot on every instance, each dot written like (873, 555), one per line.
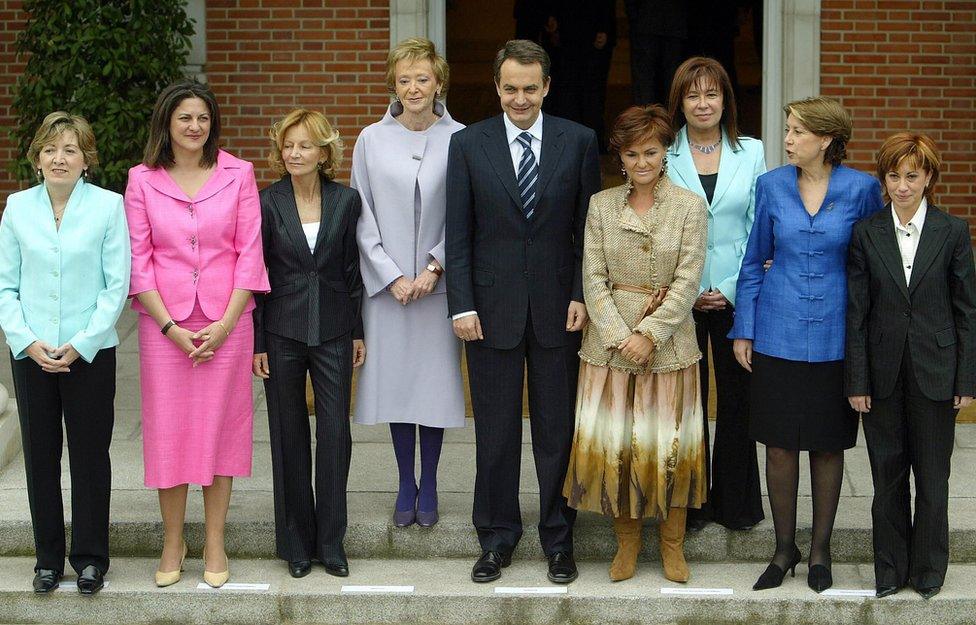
(421, 576)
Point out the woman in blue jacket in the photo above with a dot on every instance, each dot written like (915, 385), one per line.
(64, 276)
(710, 158)
(789, 325)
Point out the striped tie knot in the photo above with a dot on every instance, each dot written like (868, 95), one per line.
(528, 174)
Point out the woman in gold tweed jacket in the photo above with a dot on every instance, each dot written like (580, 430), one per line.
(639, 449)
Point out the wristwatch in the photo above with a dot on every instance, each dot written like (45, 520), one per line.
(435, 269)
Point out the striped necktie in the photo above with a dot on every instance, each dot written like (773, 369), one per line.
(528, 174)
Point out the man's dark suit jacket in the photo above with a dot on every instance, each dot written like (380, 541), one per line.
(934, 315)
(501, 264)
(314, 297)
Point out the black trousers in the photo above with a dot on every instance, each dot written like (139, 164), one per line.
(496, 377)
(85, 397)
(309, 525)
(910, 432)
(732, 471)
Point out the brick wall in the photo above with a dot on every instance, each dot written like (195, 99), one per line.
(12, 21)
(907, 65)
(266, 57)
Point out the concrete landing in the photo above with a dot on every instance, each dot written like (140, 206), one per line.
(443, 594)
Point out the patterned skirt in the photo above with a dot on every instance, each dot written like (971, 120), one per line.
(639, 444)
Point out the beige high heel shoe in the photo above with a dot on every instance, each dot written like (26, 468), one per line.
(168, 578)
(212, 579)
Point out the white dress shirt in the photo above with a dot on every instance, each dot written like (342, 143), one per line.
(512, 133)
(908, 236)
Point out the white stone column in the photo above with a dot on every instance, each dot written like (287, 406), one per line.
(419, 18)
(791, 65)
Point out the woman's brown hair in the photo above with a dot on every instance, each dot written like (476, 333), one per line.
(825, 117)
(701, 70)
(908, 145)
(641, 123)
(159, 150)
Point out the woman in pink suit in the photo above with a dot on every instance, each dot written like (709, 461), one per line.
(195, 227)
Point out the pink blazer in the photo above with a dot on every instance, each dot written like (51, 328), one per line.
(200, 249)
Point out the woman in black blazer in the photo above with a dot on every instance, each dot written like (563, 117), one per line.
(910, 360)
(309, 324)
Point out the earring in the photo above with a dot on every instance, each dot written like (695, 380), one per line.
(664, 166)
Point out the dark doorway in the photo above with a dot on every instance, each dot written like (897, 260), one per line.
(477, 29)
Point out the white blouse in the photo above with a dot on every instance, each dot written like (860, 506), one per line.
(311, 234)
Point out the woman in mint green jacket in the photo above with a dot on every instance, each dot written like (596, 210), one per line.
(64, 276)
(710, 158)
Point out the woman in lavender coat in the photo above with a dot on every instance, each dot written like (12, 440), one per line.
(412, 379)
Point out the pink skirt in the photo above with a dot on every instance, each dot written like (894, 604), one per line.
(196, 422)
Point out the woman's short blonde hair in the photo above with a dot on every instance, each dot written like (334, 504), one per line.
(56, 124)
(322, 133)
(418, 49)
(825, 117)
(908, 145)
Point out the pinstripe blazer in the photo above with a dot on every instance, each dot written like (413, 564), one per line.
(934, 314)
(316, 296)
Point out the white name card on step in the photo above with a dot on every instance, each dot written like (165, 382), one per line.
(238, 586)
(696, 591)
(378, 589)
(531, 590)
(848, 592)
(73, 586)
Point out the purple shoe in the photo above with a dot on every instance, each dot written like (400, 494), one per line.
(427, 519)
(404, 518)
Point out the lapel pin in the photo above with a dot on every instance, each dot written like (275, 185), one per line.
(830, 206)
(417, 157)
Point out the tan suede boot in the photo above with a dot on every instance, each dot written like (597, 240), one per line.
(629, 544)
(672, 534)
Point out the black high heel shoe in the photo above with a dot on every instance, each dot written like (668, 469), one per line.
(819, 578)
(773, 576)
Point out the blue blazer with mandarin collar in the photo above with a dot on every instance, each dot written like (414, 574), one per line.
(732, 210)
(67, 284)
(796, 310)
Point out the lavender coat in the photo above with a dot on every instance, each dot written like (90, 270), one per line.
(412, 372)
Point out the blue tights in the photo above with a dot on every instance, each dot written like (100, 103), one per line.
(404, 447)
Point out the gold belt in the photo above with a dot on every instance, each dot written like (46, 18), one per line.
(654, 297)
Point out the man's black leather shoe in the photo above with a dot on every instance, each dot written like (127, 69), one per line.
(885, 591)
(928, 593)
(299, 568)
(90, 580)
(338, 569)
(489, 566)
(562, 568)
(46, 580)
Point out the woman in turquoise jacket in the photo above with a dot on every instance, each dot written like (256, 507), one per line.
(710, 158)
(64, 276)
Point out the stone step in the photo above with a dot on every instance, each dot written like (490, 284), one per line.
(443, 595)
(137, 531)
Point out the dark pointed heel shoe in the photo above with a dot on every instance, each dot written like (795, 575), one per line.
(46, 580)
(773, 576)
(90, 580)
(819, 578)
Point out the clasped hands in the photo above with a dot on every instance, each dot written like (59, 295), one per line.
(52, 359)
(201, 345)
(636, 348)
(405, 290)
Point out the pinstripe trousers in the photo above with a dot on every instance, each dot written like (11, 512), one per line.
(309, 525)
(909, 432)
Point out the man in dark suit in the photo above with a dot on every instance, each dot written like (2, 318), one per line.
(910, 360)
(518, 188)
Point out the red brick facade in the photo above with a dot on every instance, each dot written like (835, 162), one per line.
(266, 57)
(896, 64)
(12, 21)
(907, 65)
